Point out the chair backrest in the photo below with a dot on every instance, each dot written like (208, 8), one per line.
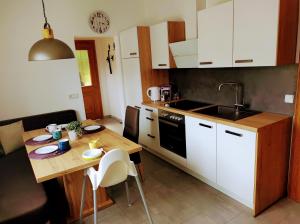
(131, 127)
(114, 167)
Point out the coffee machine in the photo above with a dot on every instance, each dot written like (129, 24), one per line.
(166, 93)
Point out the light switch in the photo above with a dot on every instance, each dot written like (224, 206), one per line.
(73, 96)
(289, 98)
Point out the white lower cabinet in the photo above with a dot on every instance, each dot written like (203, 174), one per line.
(149, 134)
(236, 162)
(201, 145)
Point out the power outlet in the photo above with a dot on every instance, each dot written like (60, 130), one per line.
(73, 96)
(289, 98)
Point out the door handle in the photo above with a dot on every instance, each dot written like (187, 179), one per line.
(206, 63)
(133, 53)
(151, 136)
(205, 125)
(149, 110)
(233, 133)
(150, 119)
(137, 107)
(162, 65)
(244, 61)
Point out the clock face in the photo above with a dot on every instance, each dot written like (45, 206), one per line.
(99, 21)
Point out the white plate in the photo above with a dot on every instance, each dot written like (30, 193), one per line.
(42, 138)
(92, 127)
(92, 153)
(46, 149)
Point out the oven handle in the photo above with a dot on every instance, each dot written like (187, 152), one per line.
(169, 123)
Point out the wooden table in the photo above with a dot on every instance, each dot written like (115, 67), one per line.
(68, 168)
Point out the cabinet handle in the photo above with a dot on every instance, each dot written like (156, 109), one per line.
(150, 119)
(149, 110)
(205, 125)
(151, 136)
(137, 107)
(244, 61)
(133, 53)
(233, 133)
(206, 63)
(162, 64)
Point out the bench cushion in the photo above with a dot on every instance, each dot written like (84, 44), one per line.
(22, 200)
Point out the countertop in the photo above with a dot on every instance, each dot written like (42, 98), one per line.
(252, 123)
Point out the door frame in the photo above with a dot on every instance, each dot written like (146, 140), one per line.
(91, 47)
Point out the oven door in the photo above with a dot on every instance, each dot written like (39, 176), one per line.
(172, 137)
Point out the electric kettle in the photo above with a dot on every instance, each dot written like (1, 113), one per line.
(154, 93)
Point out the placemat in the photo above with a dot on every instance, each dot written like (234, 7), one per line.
(33, 155)
(94, 131)
(32, 142)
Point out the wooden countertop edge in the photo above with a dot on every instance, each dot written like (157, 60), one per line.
(78, 168)
(253, 123)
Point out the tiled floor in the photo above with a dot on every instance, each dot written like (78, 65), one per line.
(176, 197)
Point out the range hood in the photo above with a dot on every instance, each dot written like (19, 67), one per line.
(185, 53)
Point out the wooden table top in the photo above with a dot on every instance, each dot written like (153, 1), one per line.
(72, 161)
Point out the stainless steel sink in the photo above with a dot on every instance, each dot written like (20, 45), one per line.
(227, 112)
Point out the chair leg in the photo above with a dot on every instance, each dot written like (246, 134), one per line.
(140, 169)
(127, 193)
(95, 206)
(82, 197)
(143, 199)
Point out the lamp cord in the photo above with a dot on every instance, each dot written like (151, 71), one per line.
(46, 25)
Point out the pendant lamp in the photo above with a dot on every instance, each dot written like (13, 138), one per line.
(49, 48)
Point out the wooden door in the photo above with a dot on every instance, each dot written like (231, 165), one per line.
(215, 32)
(255, 32)
(89, 78)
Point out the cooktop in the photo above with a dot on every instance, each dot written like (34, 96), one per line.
(187, 104)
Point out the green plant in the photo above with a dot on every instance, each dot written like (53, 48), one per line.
(75, 126)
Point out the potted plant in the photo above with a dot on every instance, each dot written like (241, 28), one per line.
(74, 130)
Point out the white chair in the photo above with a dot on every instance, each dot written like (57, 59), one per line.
(114, 168)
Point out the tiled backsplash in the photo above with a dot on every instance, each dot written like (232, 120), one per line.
(264, 87)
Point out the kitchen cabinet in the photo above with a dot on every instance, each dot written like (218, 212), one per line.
(149, 133)
(201, 142)
(236, 162)
(215, 35)
(265, 32)
(132, 82)
(129, 43)
(161, 35)
(137, 71)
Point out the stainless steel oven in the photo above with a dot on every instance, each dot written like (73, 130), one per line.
(172, 132)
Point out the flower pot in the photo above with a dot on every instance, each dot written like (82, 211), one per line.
(72, 135)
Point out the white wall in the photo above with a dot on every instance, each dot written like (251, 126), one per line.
(160, 10)
(28, 88)
(111, 84)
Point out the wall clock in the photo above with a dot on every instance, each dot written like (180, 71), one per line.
(99, 21)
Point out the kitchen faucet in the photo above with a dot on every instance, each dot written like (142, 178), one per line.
(239, 98)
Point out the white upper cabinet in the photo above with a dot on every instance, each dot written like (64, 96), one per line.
(201, 142)
(129, 43)
(161, 35)
(255, 32)
(236, 162)
(132, 82)
(160, 46)
(215, 33)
